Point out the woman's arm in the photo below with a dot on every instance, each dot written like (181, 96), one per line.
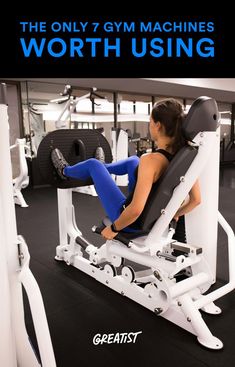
(150, 169)
(194, 200)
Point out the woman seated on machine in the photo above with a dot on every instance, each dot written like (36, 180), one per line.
(143, 173)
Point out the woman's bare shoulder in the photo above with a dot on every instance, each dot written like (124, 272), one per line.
(154, 158)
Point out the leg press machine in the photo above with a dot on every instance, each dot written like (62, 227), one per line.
(176, 275)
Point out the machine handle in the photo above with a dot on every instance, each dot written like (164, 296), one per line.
(119, 236)
(97, 230)
(173, 224)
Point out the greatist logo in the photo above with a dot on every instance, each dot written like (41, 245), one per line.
(118, 338)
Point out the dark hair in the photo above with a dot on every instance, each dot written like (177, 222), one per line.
(170, 113)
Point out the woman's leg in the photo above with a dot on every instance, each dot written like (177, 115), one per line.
(108, 192)
(123, 167)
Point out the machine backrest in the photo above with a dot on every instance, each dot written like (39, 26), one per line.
(202, 116)
(162, 192)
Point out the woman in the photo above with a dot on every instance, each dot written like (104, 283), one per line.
(165, 129)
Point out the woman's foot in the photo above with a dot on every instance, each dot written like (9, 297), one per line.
(59, 162)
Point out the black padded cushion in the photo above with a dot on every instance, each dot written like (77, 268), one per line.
(66, 141)
(202, 116)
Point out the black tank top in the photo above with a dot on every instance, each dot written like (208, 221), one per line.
(129, 198)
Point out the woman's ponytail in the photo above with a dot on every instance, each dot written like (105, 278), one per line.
(179, 140)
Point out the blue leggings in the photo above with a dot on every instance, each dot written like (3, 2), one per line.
(108, 192)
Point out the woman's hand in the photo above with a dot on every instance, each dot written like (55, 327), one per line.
(108, 234)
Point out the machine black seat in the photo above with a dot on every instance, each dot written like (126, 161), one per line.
(203, 116)
(162, 192)
(76, 145)
(158, 198)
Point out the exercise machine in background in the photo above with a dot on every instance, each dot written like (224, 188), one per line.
(227, 148)
(71, 103)
(22, 180)
(124, 145)
(119, 139)
(15, 347)
(178, 276)
(227, 152)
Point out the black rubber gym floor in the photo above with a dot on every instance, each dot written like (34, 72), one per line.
(78, 307)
